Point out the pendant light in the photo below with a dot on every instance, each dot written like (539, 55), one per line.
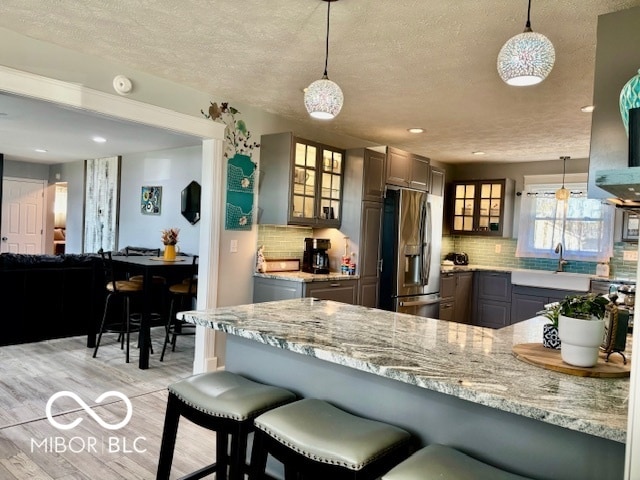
(323, 98)
(527, 58)
(562, 193)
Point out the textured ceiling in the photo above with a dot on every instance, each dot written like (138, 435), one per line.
(400, 63)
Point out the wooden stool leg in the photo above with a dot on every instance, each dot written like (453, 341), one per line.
(169, 434)
(258, 457)
(238, 453)
(222, 455)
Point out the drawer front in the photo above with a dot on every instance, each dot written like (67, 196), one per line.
(344, 291)
(494, 286)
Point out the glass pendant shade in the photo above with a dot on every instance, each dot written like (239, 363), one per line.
(526, 59)
(323, 99)
(629, 98)
(562, 194)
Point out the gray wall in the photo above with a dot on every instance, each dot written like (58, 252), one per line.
(173, 170)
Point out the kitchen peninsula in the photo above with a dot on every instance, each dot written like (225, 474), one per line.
(447, 383)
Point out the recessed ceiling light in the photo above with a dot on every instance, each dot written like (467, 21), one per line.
(99, 139)
(478, 152)
(587, 108)
(415, 130)
(40, 150)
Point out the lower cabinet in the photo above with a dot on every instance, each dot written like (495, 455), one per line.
(526, 302)
(345, 291)
(271, 289)
(456, 289)
(492, 293)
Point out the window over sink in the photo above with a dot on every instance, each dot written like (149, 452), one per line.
(584, 226)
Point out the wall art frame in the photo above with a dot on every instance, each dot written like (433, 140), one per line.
(151, 200)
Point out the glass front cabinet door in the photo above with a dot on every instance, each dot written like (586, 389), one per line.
(316, 184)
(479, 207)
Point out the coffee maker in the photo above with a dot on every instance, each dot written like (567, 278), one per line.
(315, 258)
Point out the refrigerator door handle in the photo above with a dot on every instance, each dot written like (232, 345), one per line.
(417, 303)
(426, 246)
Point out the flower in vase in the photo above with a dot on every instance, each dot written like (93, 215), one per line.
(170, 236)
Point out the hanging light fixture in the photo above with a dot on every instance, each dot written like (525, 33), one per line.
(323, 98)
(562, 193)
(527, 58)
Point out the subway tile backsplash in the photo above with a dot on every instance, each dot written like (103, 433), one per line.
(288, 242)
(283, 241)
(482, 251)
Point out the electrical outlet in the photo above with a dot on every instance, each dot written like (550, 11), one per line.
(233, 246)
(630, 255)
(498, 248)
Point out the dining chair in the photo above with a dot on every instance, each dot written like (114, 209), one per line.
(126, 290)
(181, 294)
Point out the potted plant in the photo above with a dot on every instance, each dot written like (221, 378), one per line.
(581, 328)
(550, 338)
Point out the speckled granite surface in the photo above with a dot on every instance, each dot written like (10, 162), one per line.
(306, 277)
(472, 363)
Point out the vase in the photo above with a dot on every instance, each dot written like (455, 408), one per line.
(581, 340)
(169, 253)
(629, 98)
(550, 338)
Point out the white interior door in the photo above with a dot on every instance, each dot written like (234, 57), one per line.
(22, 216)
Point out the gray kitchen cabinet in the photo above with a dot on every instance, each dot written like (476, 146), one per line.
(492, 299)
(271, 289)
(300, 182)
(345, 291)
(456, 290)
(437, 181)
(364, 184)
(405, 169)
(482, 207)
(526, 302)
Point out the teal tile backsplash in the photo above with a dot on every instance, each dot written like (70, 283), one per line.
(481, 251)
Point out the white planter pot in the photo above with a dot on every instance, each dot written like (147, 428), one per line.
(581, 340)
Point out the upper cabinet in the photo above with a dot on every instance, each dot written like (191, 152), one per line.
(482, 207)
(408, 170)
(301, 182)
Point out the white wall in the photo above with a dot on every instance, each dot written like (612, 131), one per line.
(173, 170)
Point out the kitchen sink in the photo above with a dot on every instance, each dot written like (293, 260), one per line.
(579, 282)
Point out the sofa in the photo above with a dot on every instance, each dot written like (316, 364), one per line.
(49, 296)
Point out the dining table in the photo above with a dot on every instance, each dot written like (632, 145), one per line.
(148, 267)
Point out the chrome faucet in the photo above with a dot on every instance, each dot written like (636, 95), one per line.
(561, 261)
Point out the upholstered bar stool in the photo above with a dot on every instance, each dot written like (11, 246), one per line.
(317, 440)
(441, 462)
(226, 403)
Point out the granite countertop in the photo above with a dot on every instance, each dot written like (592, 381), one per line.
(305, 277)
(468, 362)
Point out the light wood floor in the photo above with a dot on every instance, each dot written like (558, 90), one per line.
(31, 373)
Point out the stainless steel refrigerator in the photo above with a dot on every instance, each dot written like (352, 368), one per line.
(411, 242)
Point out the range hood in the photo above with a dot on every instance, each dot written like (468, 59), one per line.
(624, 183)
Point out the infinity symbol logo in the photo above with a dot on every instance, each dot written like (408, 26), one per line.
(88, 409)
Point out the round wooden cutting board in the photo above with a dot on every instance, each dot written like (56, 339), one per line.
(536, 354)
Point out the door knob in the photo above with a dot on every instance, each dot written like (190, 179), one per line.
(4, 239)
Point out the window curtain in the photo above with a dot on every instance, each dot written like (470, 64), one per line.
(583, 226)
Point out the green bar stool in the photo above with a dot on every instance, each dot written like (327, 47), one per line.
(226, 403)
(441, 462)
(314, 439)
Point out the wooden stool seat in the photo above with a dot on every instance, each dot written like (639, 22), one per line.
(223, 402)
(124, 286)
(312, 437)
(156, 279)
(442, 462)
(183, 288)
